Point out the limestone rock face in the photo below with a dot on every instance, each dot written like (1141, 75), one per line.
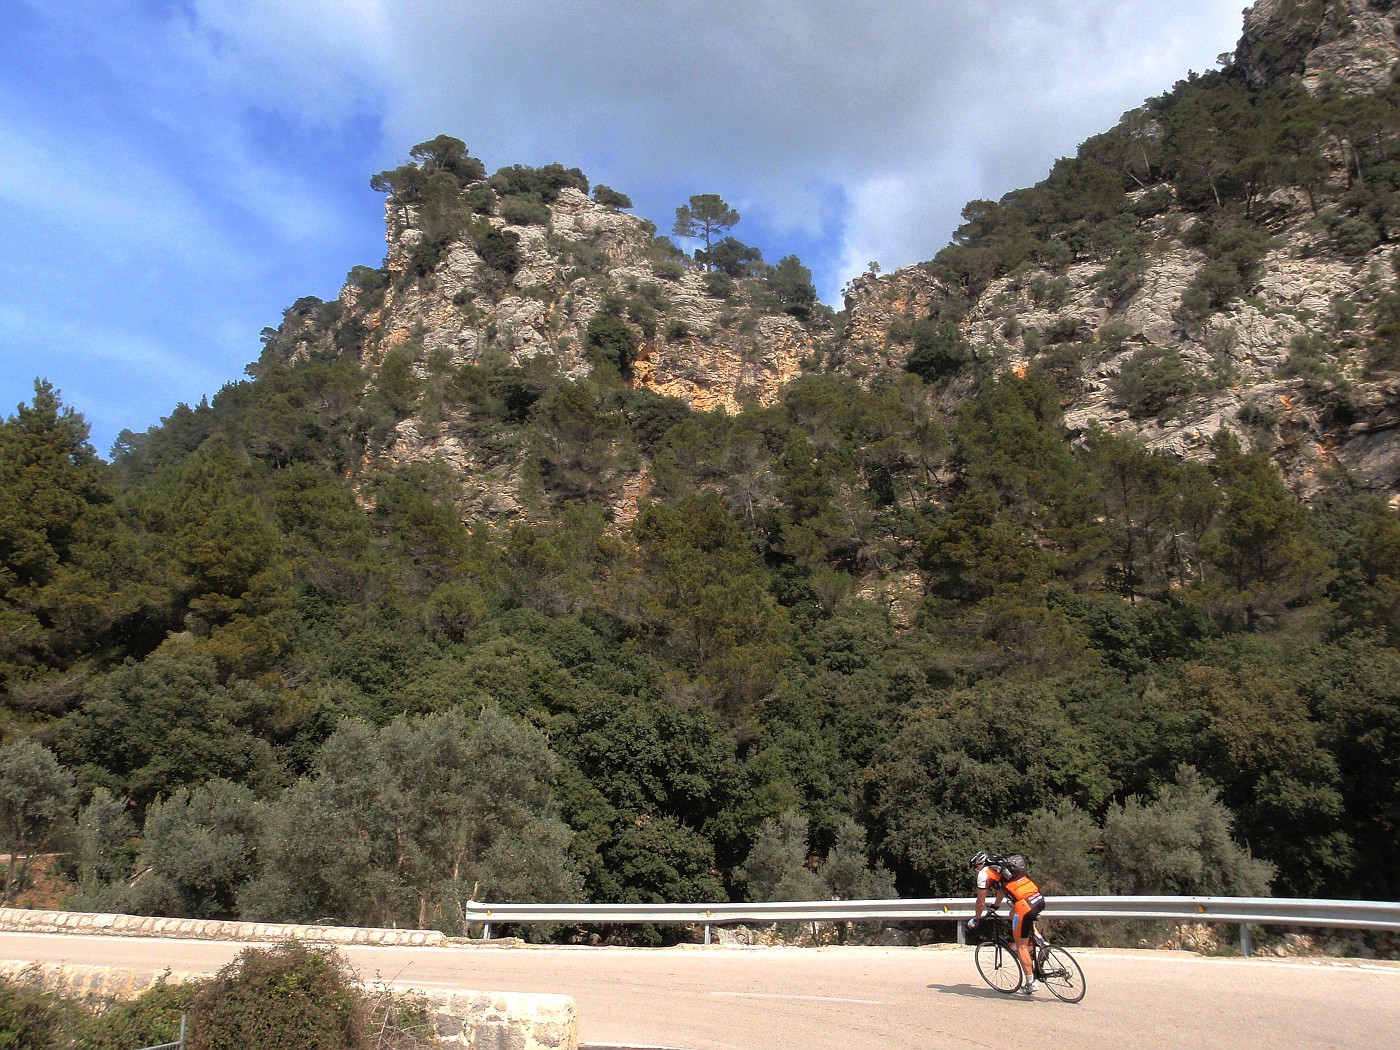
(873, 303)
(1351, 43)
(1248, 364)
(709, 352)
(443, 306)
(452, 308)
(1240, 356)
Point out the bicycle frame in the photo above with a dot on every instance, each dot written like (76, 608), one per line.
(999, 963)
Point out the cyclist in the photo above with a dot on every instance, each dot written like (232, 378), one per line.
(1027, 903)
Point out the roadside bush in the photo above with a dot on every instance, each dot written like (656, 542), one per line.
(29, 1019)
(291, 997)
(149, 1020)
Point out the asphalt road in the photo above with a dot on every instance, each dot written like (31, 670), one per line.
(718, 998)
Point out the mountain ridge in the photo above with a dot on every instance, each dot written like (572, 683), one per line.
(579, 256)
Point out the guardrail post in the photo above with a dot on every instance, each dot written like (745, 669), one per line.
(707, 933)
(486, 931)
(962, 932)
(1246, 940)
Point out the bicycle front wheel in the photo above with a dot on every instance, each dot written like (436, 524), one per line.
(998, 965)
(1062, 975)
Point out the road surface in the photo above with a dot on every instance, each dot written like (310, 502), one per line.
(723, 998)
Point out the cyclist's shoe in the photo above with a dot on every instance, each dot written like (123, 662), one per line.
(1030, 986)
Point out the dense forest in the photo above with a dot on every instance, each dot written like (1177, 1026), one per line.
(251, 669)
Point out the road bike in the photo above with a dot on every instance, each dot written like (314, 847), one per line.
(1000, 966)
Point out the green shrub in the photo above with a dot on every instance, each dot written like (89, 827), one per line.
(546, 182)
(1354, 235)
(654, 296)
(288, 996)
(1152, 203)
(1310, 358)
(791, 282)
(500, 249)
(610, 198)
(481, 199)
(524, 209)
(291, 996)
(643, 315)
(1063, 329)
(719, 284)
(1152, 379)
(1063, 365)
(939, 350)
(1123, 276)
(1233, 255)
(1049, 292)
(151, 1019)
(34, 1020)
(608, 339)
(29, 1019)
(1253, 414)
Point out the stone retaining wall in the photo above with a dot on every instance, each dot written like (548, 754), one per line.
(476, 1020)
(29, 921)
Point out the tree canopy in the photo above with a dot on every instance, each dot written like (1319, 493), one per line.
(705, 216)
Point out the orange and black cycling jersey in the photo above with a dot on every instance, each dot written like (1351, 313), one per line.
(1017, 889)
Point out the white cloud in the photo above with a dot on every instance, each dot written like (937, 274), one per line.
(767, 100)
(775, 102)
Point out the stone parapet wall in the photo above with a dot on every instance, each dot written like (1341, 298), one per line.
(476, 1020)
(32, 921)
(90, 984)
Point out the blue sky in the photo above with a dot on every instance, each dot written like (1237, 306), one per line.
(175, 173)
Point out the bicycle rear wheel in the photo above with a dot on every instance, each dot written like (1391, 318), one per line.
(1062, 975)
(998, 965)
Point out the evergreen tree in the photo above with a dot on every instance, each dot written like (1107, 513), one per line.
(705, 216)
(35, 808)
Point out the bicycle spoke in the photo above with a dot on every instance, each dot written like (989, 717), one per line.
(1061, 975)
(998, 965)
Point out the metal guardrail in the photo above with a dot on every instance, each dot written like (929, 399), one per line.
(1259, 911)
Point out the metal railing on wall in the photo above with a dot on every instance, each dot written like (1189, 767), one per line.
(1241, 911)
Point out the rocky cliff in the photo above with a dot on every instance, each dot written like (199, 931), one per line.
(1289, 364)
(1351, 43)
(1245, 283)
(710, 352)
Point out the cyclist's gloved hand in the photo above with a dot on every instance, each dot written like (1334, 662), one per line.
(972, 924)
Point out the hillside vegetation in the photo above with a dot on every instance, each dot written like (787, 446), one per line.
(549, 562)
